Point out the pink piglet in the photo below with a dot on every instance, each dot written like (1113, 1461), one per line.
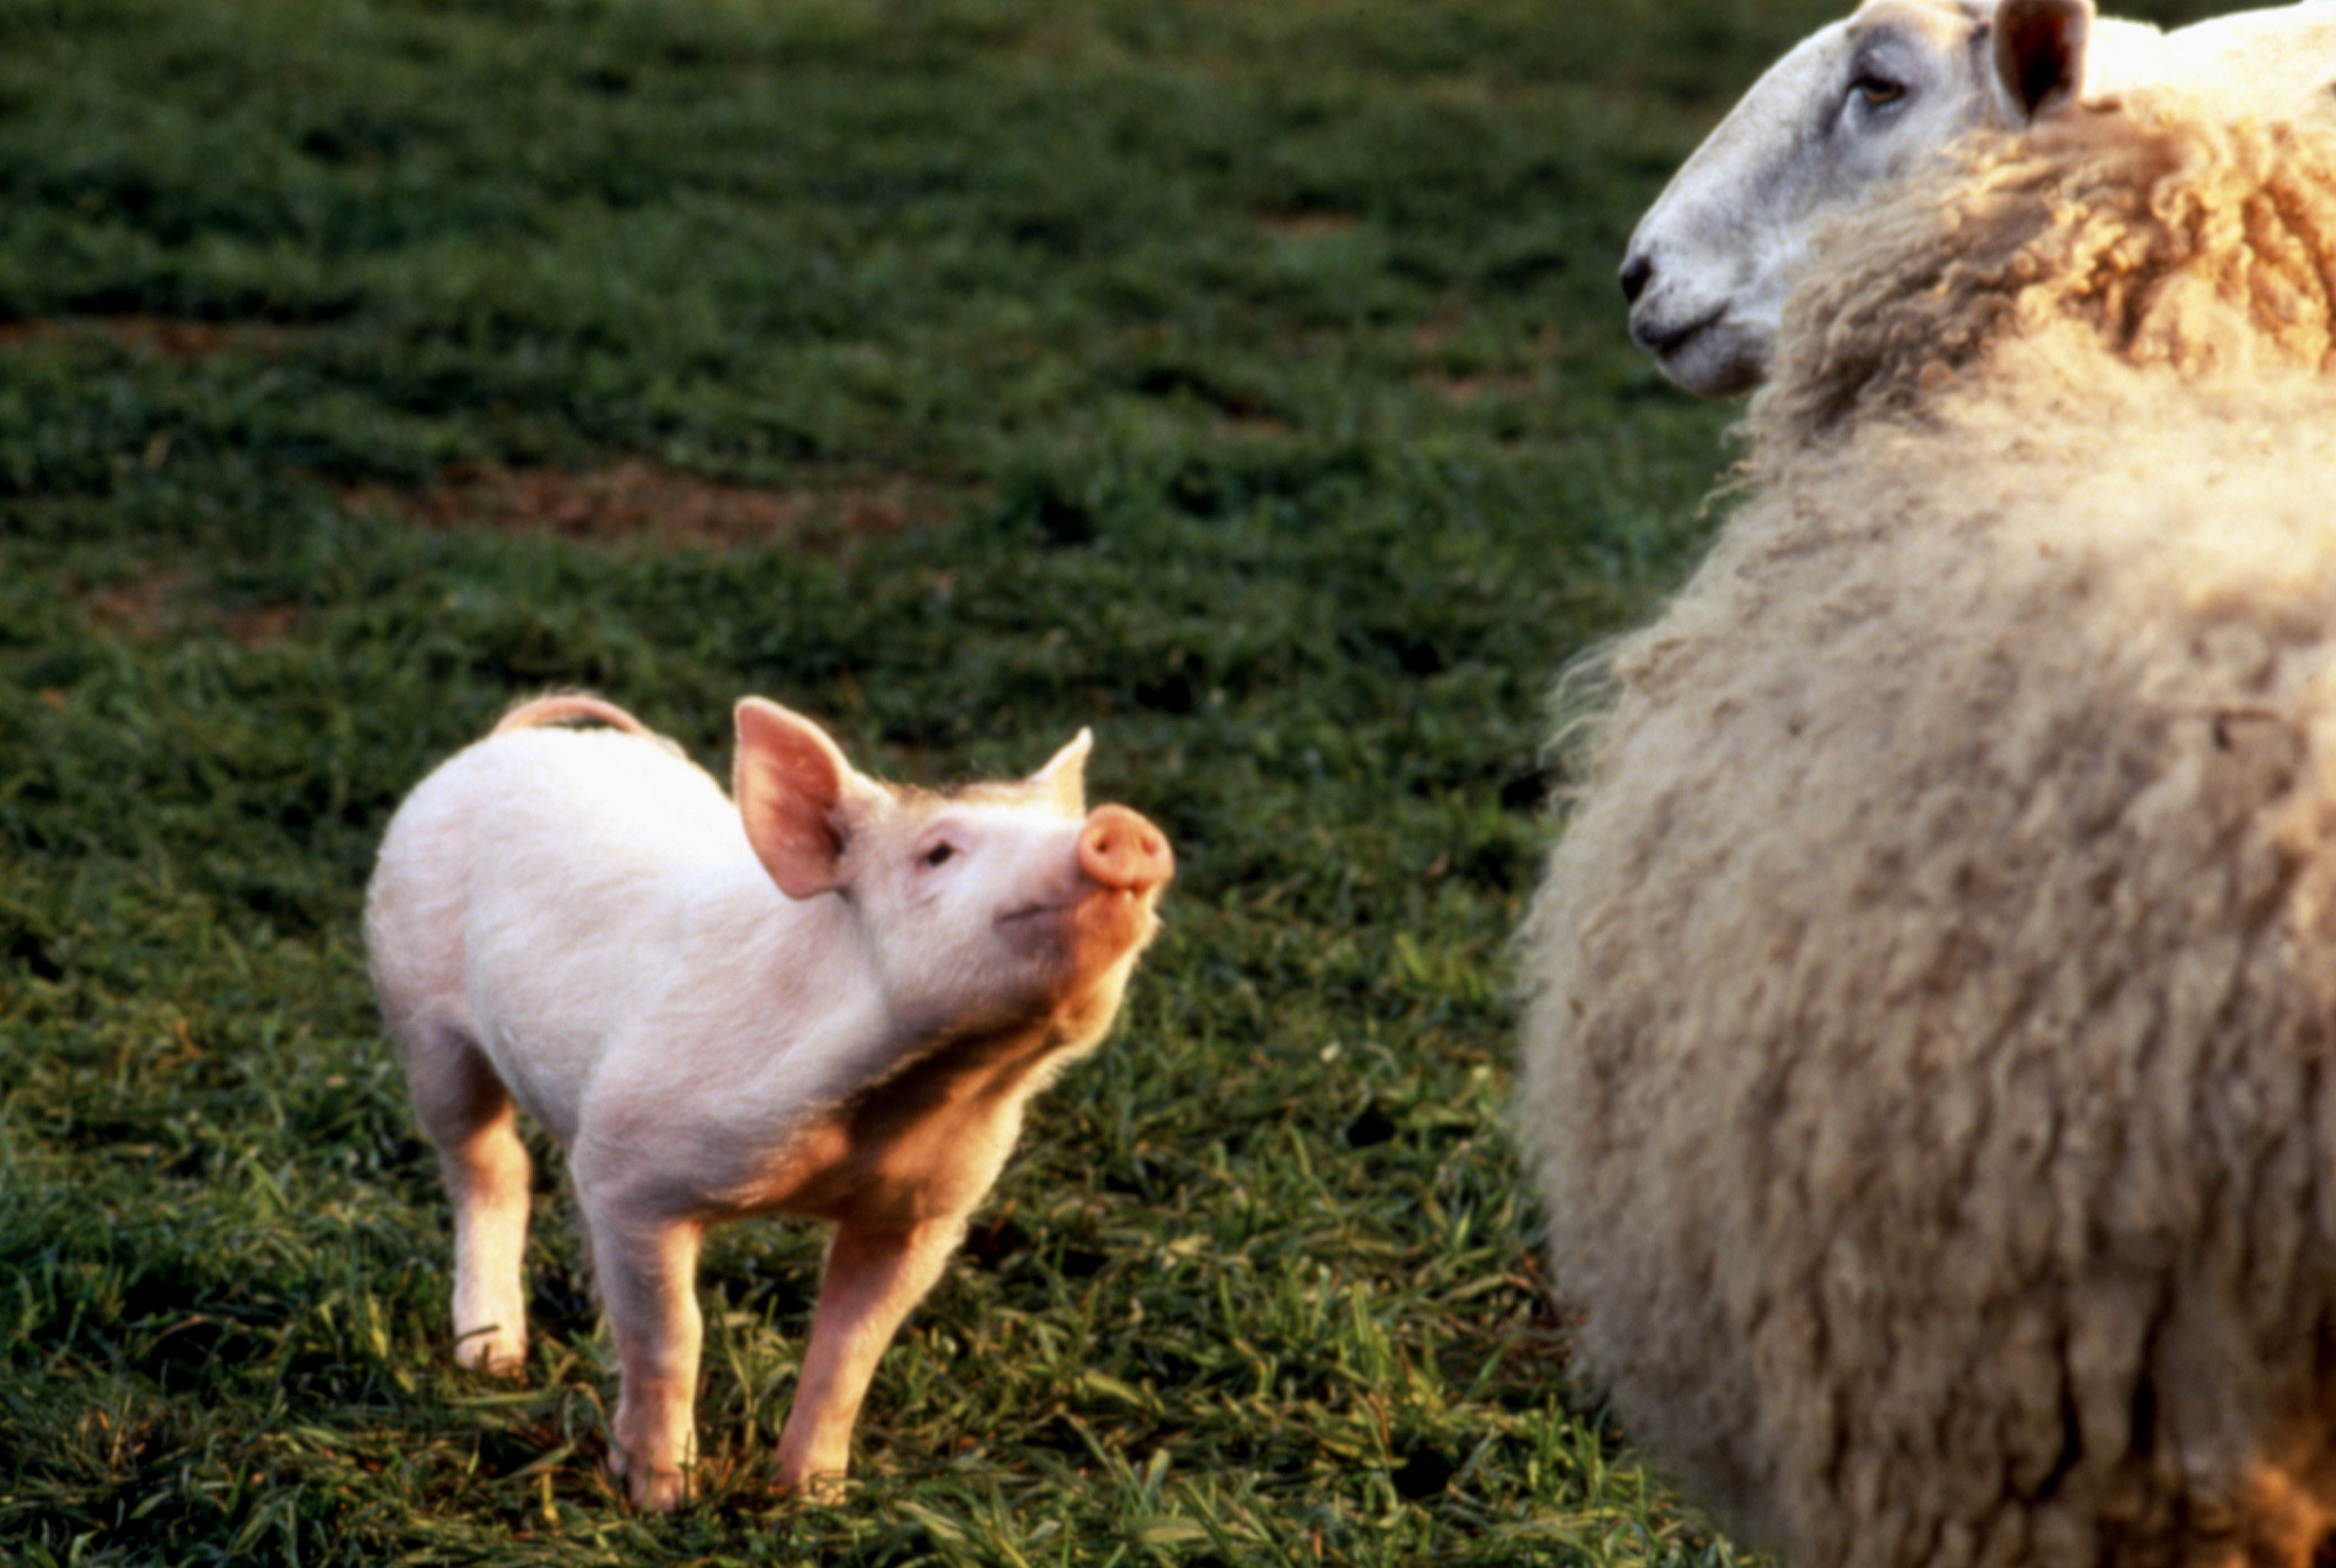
(827, 995)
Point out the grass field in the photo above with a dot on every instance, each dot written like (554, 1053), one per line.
(1245, 378)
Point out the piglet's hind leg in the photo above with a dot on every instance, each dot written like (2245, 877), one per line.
(872, 1278)
(468, 1115)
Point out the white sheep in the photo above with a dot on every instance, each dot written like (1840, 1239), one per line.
(1928, 1057)
(1858, 105)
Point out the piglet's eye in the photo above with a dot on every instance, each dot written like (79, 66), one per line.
(939, 855)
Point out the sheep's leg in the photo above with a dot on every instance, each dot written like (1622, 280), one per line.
(468, 1115)
(872, 1281)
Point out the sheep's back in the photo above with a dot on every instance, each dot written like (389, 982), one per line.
(1926, 1044)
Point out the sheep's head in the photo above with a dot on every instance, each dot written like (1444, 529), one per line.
(2147, 236)
(1849, 112)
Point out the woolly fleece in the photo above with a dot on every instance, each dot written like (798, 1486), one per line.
(1928, 1062)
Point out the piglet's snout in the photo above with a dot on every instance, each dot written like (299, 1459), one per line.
(1120, 850)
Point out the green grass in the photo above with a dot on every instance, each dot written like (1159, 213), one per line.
(1243, 377)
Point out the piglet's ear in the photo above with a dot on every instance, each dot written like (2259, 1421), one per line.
(798, 797)
(2040, 55)
(1064, 779)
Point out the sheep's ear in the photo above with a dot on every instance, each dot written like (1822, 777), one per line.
(2040, 55)
(1065, 777)
(798, 798)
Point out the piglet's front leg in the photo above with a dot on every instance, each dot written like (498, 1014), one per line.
(874, 1277)
(648, 1273)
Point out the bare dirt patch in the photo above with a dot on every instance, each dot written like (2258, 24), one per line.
(1310, 224)
(640, 502)
(166, 336)
(261, 625)
(162, 604)
(1461, 391)
(1437, 376)
(145, 608)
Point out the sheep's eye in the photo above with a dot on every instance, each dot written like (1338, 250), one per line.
(1878, 90)
(939, 855)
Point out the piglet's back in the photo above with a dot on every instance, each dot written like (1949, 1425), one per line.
(507, 876)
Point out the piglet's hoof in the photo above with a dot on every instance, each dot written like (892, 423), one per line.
(813, 1487)
(490, 1353)
(653, 1491)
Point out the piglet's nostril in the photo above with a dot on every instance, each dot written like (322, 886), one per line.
(1120, 850)
(1638, 271)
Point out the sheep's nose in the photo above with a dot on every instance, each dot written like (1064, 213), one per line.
(1120, 850)
(1638, 271)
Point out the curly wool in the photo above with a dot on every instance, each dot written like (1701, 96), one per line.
(1928, 1058)
(2156, 239)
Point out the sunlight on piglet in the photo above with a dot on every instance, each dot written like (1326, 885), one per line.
(818, 995)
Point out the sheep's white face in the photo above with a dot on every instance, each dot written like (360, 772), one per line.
(1859, 103)
(1852, 107)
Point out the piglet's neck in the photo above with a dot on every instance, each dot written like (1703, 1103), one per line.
(793, 959)
(931, 1128)
(826, 923)
(975, 1064)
